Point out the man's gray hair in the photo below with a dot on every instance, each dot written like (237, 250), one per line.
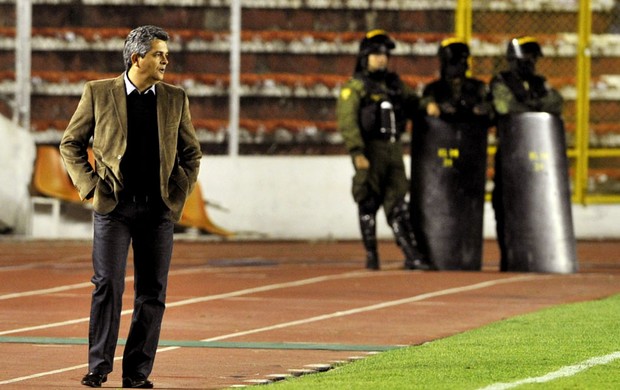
(139, 41)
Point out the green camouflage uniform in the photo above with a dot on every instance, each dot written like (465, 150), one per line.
(362, 122)
(513, 95)
(372, 110)
(458, 99)
(386, 181)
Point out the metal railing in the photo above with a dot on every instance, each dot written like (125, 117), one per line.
(582, 154)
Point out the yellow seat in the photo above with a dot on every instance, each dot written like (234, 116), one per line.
(51, 186)
(50, 177)
(195, 215)
(51, 180)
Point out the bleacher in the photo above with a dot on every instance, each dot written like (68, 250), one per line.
(295, 56)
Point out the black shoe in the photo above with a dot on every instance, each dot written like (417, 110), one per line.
(372, 260)
(419, 264)
(137, 383)
(93, 379)
(372, 266)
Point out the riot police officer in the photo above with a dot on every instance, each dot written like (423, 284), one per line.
(448, 162)
(518, 90)
(372, 112)
(455, 97)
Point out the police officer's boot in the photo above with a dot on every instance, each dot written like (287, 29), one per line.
(368, 227)
(405, 238)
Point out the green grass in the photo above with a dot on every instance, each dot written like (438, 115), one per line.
(508, 351)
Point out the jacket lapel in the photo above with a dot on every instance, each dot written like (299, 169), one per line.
(119, 98)
(162, 110)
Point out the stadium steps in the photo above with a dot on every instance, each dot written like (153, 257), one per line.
(295, 51)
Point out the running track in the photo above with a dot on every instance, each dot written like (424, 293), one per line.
(240, 313)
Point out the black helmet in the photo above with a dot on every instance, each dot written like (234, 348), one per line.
(453, 50)
(453, 54)
(376, 41)
(520, 48)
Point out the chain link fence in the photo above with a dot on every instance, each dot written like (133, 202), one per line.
(555, 24)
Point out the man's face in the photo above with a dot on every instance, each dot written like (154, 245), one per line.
(377, 62)
(153, 65)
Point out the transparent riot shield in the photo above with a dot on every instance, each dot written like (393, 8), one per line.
(536, 200)
(448, 174)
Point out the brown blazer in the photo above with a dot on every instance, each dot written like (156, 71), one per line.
(102, 115)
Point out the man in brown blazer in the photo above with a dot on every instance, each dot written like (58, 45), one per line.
(147, 158)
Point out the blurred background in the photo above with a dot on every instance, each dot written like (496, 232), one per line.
(263, 77)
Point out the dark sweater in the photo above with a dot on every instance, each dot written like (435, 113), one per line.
(140, 164)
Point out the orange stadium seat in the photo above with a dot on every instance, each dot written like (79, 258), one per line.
(51, 185)
(50, 176)
(50, 179)
(195, 215)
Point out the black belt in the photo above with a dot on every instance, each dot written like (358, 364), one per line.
(378, 136)
(137, 198)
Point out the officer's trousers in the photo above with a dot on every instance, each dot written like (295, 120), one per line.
(386, 180)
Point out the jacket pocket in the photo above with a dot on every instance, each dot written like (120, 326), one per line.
(103, 187)
(181, 178)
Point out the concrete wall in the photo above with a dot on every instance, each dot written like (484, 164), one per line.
(17, 154)
(309, 198)
(298, 198)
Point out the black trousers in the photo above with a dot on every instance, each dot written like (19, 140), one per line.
(146, 225)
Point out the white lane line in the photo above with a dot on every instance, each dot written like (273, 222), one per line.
(42, 374)
(191, 301)
(563, 372)
(47, 326)
(45, 291)
(378, 306)
(78, 286)
(176, 304)
(363, 309)
(269, 287)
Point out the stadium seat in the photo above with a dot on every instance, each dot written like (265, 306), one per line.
(195, 215)
(50, 176)
(51, 184)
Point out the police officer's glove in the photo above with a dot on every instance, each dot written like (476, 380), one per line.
(533, 104)
(432, 109)
(538, 87)
(481, 109)
(520, 91)
(518, 87)
(361, 162)
(447, 108)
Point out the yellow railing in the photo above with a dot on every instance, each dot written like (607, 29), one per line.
(581, 153)
(582, 103)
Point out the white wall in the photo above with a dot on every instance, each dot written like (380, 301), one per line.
(309, 198)
(282, 197)
(17, 154)
(303, 198)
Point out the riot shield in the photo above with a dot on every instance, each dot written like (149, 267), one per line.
(448, 174)
(538, 225)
